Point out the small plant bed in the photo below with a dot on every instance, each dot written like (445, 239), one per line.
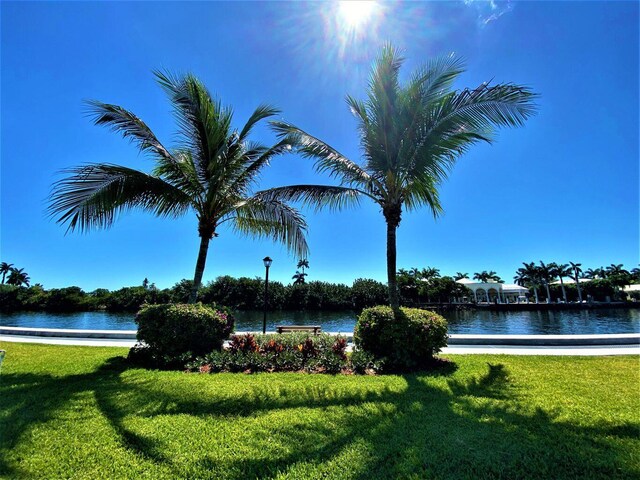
(289, 352)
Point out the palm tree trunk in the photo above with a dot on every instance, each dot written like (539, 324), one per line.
(391, 267)
(577, 279)
(564, 292)
(535, 290)
(202, 260)
(546, 285)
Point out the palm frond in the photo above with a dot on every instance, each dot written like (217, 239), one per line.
(204, 124)
(327, 158)
(260, 113)
(273, 219)
(126, 123)
(316, 196)
(91, 196)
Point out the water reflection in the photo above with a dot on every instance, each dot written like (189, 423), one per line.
(471, 321)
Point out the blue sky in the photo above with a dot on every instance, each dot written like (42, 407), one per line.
(563, 188)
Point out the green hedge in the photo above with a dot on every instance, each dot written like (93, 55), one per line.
(177, 331)
(406, 340)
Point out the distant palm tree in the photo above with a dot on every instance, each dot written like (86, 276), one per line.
(591, 273)
(560, 271)
(18, 277)
(411, 136)
(485, 277)
(529, 276)
(302, 264)
(614, 269)
(298, 278)
(546, 273)
(428, 273)
(576, 276)
(210, 172)
(635, 273)
(4, 269)
(460, 276)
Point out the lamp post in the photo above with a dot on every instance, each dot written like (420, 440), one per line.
(267, 263)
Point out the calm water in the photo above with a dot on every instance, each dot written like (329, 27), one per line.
(479, 322)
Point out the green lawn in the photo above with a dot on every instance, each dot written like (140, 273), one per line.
(79, 412)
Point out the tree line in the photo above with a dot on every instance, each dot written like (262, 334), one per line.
(236, 293)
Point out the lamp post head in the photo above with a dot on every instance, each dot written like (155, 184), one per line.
(267, 261)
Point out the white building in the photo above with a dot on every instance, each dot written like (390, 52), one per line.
(494, 292)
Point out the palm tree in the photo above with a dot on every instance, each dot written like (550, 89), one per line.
(529, 276)
(560, 271)
(4, 269)
(298, 278)
(591, 273)
(485, 277)
(411, 136)
(635, 273)
(18, 277)
(427, 274)
(302, 264)
(546, 275)
(460, 276)
(576, 276)
(210, 172)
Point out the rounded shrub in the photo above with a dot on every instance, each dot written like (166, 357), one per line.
(173, 330)
(406, 340)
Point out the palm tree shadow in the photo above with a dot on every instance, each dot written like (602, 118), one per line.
(427, 429)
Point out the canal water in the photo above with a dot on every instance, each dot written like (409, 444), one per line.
(564, 322)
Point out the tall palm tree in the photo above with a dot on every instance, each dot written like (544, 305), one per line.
(411, 136)
(4, 269)
(561, 271)
(529, 276)
(576, 276)
(210, 172)
(18, 277)
(460, 276)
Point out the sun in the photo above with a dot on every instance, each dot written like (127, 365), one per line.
(355, 13)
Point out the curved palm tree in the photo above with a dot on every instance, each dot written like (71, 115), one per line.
(577, 271)
(18, 277)
(411, 136)
(210, 172)
(4, 269)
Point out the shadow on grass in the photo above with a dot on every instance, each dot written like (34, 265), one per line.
(455, 429)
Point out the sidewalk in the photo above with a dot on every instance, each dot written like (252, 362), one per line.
(591, 350)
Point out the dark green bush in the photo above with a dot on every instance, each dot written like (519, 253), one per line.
(407, 340)
(175, 330)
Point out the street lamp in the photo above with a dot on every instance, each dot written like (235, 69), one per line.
(267, 263)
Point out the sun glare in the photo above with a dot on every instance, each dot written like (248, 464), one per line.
(356, 13)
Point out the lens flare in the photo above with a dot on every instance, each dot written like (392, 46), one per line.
(356, 13)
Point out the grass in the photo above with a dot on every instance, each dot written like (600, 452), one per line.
(79, 412)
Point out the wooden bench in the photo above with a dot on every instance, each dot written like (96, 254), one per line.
(315, 329)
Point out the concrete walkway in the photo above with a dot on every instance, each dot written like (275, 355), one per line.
(581, 350)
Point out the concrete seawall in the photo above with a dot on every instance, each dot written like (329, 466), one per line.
(454, 339)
